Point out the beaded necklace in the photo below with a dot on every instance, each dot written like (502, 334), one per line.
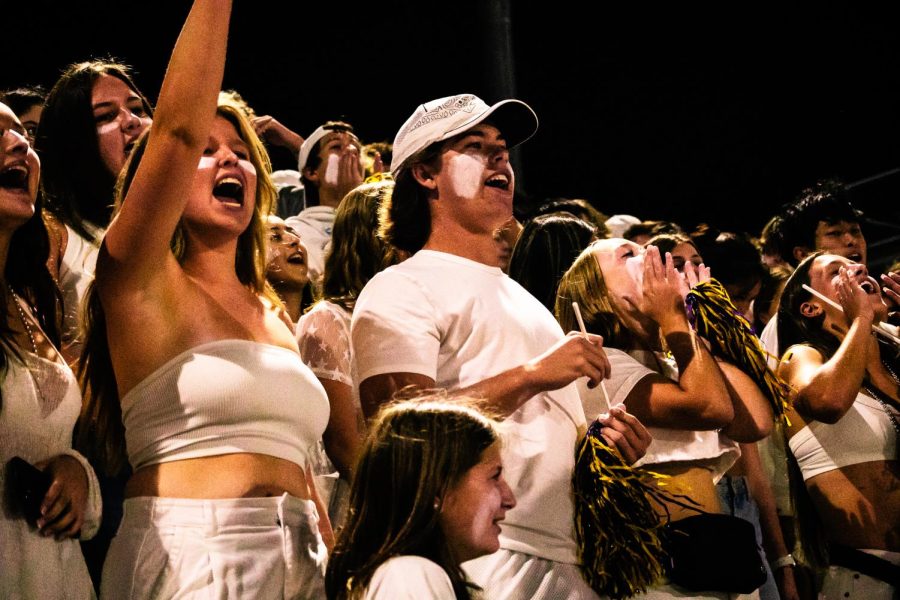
(17, 301)
(885, 400)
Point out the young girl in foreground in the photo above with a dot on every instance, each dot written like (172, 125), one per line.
(428, 493)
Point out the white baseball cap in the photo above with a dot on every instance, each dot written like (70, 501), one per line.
(313, 139)
(441, 119)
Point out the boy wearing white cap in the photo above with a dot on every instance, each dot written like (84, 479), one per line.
(449, 317)
(329, 163)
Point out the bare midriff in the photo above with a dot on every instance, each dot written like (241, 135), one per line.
(241, 475)
(693, 481)
(859, 505)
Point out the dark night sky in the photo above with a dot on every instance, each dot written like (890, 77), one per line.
(690, 114)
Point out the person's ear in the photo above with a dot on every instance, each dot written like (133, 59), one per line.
(801, 252)
(424, 176)
(311, 174)
(810, 310)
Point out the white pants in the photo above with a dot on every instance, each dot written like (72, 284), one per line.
(509, 575)
(843, 583)
(234, 548)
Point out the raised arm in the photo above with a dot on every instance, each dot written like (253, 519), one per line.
(700, 399)
(826, 389)
(137, 241)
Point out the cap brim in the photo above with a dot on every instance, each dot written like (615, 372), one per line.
(515, 120)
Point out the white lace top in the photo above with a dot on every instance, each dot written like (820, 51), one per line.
(324, 338)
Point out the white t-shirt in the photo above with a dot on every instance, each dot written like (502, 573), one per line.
(410, 578)
(459, 322)
(669, 445)
(76, 273)
(769, 340)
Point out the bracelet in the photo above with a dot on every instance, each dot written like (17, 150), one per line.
(785, 561)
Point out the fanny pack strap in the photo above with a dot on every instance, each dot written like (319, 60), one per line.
(867, 564)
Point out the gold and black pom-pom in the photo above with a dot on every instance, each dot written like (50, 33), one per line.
(616, 527)
(715, 319)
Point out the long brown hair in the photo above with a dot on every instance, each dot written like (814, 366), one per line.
(77, 184)
(101, 434)
(415, 451)
(357, 253)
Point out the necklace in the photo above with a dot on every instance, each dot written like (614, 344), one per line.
(30, 332)
(22, 318)
(886, 404)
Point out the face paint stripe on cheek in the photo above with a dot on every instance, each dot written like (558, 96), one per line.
(331, 169)
(106, 128)
(465, 174)
(246, 165)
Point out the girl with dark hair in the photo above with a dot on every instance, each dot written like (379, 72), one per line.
(355, 256)
(39, 399)
(189, 358)
(547, 247)
(844, 429)
(91, 119)
(427, 495)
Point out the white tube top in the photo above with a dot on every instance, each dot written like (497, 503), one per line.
(225, 397)
(863, 434)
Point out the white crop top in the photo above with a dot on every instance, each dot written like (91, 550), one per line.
(225, 397)
(711, 449)
(863, 434)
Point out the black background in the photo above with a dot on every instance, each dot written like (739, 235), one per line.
(693, 113)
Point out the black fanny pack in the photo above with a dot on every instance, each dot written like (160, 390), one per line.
(712, 552)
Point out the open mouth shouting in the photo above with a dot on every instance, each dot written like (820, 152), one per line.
(297, 258)
(500, 181)
(230, 191)
(869, 286)
(14, 178)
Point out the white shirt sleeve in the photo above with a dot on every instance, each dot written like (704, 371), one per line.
(395, 328)
(625, 373)
(325, 345)
(410, 578)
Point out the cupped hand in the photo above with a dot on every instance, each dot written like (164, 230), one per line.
(662, 288)
(853, 298)
(891, 289)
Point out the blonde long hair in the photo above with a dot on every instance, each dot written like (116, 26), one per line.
(584, 283)
(100, 432)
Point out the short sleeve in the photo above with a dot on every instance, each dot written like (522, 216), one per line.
(324, 340)
(395, 328)
(410, 578)
(625, 372)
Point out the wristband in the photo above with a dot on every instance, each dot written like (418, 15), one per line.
(785, 561)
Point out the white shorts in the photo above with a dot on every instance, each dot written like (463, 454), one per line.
(234, 548)
(510, 575)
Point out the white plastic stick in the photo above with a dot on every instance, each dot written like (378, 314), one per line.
(584, 333)
(828, 300)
